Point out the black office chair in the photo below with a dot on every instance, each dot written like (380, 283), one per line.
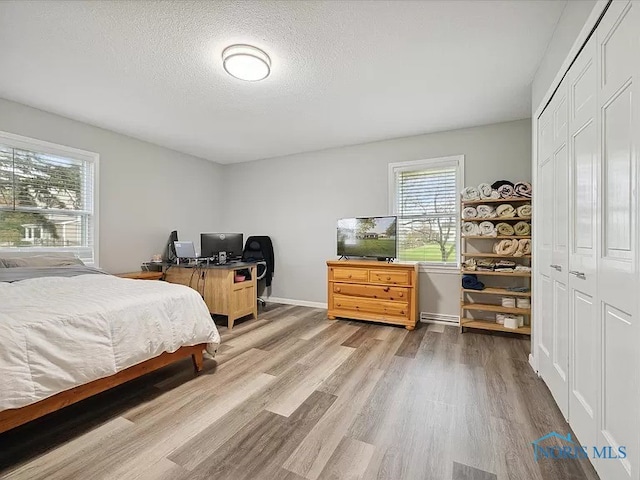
(257, 249)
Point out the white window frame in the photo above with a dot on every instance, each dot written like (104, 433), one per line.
(35, 145)
(456, 161)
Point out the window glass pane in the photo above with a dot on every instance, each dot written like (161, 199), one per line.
(46, 181)
(426, 192)
(430, 239)
(6, 176)
(34, 229)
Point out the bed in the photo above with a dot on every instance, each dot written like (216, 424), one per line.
(69, 332)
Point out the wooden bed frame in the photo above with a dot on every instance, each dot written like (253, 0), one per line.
(17, 416)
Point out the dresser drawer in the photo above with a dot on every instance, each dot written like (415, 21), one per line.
(351, 274)
(381, 307)
(386, 276)
(372, 291)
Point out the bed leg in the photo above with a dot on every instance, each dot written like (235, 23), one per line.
(198, 361)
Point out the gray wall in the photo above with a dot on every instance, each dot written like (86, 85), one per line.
(571, 21)
(145, 190)
(297, 199)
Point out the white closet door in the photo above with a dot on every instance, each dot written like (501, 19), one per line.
(583, 306)
(552, 252)
(618, 55)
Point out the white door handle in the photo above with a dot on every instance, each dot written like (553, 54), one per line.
(557, 267)
(577, 273)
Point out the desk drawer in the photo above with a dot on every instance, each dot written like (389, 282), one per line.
(351, 274)
(400, 294)
(382, 307)
(394, 278)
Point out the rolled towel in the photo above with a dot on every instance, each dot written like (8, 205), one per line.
(486, 192)
(506, 191)
(486, 211)
(500, 318)
(470, 229)
(487, 229)
(523, 302)
(524, 247)
(498, 183)
(470, 194)
(505, 210)
(523, 189)
(522, 228)
(469, 212)
(509, 302)
(504, 229)
(471, 282)
(524, 210)
(505, 247)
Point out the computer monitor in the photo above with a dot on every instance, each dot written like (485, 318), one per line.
(170, 253)
(185, 250)
(213, 243)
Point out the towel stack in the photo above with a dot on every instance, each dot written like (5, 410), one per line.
(499, 189)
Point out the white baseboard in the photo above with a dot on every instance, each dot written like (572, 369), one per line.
(441, 318)
(299, 303)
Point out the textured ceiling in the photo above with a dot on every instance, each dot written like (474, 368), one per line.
(344, 72)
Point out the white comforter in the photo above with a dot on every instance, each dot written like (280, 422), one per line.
(57, 333)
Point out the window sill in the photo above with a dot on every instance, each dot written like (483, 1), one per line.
(441, 269)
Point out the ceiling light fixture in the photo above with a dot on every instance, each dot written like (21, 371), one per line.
(246, 62)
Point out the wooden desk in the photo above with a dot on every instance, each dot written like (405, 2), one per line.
(218, 286)
(142, 275)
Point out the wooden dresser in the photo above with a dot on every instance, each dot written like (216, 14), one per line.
(374, 291)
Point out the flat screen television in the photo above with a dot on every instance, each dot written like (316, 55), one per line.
(367, 237)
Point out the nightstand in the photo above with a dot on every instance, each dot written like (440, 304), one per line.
(142, 275)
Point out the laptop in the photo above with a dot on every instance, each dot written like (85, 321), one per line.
(185, 250)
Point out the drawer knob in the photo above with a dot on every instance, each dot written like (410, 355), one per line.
(400, 294)
(349, 275)
(388, 278)
(338, 289)
(386, 289)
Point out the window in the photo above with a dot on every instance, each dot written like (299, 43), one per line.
(424, 196)
(47, 198)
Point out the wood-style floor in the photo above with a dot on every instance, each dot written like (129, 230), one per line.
(293, 396)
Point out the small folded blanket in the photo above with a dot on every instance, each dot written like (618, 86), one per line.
(523, 189)
(486, 192)
(471, 282)
(504, 229)
(505, 210)
(524, 247)
(505, 247)
(522, 268)
(486, 265)
(504, 266)
(524, 210)
(470, 229)
(522, 228)
(470, 193)
(487, 229)
(469, 212)
(519, 289)
(469, 264)
(486, 211)
(506, 191)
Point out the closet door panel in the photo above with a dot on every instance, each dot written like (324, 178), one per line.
(618, 286)
(584, 386)
(583, 311)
